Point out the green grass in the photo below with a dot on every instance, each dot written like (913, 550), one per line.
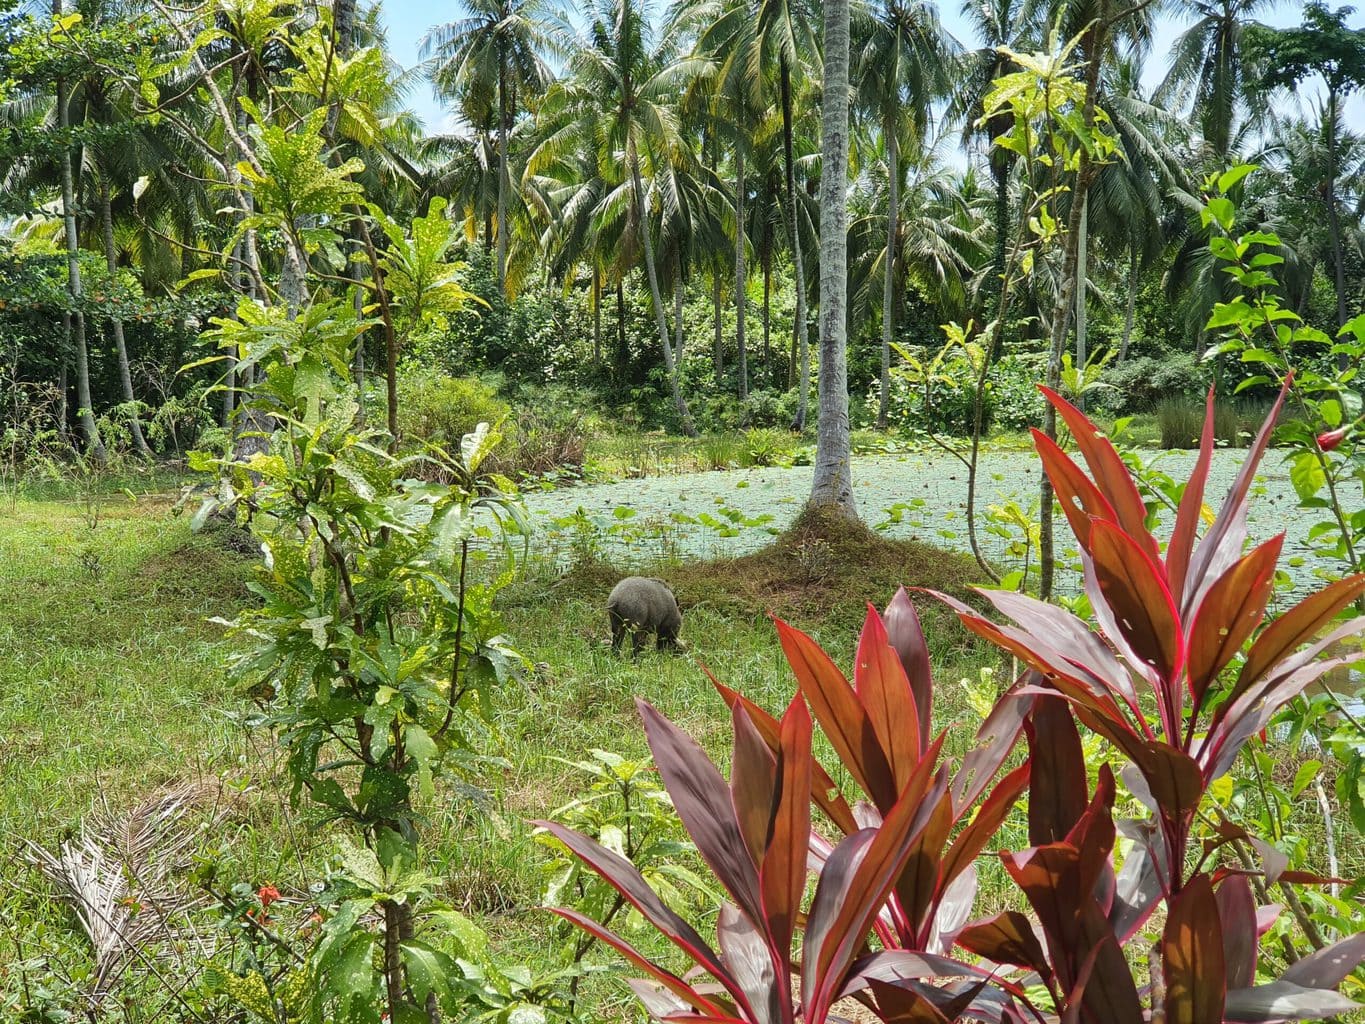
(114, 685)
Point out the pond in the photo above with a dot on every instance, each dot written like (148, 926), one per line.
(921, 495)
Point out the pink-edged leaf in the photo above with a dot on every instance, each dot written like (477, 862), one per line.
(1080, 500)
(1068, 634)
(753, 783)
(1281, 1001)
(626, 879)
(895, 965)
(1192, 956)
(1222, 544)
(783, 872)
(993, 743)
(1132, 586)
(1298, 626)
(1138, 886)
(1328, 967)
(824, 790)
(670, 981)
(904, 633)
(918, 880)
(749, 957)
(1048, 876)
(1174, 780)
(857, 879)
(1093, 835)
(1102, 982)
(840, 714)
(702, 800)
(1237, 917)
(1112, 477)
(897, 1005)
(880, 682)
(1057, 796)
(952, 906)
(1006, 938)
(1242, 717)
(1191, 507)
(1228, 614)
(968, 843)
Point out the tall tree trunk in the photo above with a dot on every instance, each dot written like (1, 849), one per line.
(84, 410)
(767, 319)
(717, 339)
(679, 294)
(801, 329)
(1082, 280)
(1002, 227)
(622, 347)
(832, 487)
(1066, 290)
(125, 375)
(651, 271)
(596, 316)
(1131, 303)
(63, 383)
(889, 268)
(503, 116)
(741, 270)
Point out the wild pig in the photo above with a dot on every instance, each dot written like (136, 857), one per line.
(644, 605)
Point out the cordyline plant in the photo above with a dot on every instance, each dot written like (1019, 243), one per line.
(1171, 627)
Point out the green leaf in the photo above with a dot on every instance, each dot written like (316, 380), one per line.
(1233, 175)
(1307, 772)
(1307, 475)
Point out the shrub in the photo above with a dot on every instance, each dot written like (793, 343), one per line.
(1142, 384)
(1014, 401)
(436, 408)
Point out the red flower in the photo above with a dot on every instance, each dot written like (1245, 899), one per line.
(267, 894)
(1328, 440)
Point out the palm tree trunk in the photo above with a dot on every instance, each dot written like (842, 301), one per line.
(741, 271)
(1002, 227)
(596, 316)
(63, 383)
(1131, 305)
(802, 336)
(622, 349)
(84, 410)
(116, 325)
(717, 340)
(832, 487)
(651, 271)
(679, 293)
(767, 320)
(889, 268)
(503, 114)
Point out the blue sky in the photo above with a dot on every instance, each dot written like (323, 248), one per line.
(408, 21)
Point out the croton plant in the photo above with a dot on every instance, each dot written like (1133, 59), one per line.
(1175, 671)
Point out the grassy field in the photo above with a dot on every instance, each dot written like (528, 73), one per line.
(112, 686)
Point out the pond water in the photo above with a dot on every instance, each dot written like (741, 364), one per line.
(921, 495)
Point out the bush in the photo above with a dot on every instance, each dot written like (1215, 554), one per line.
(1013, 398)
(436, 408)
(548, 433)
(1142, 384)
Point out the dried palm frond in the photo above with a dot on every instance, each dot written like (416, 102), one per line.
(123, 873)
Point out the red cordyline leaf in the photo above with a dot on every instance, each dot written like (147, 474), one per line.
(1057, 796)
(906, 637)
(782, 873)
(841, 715)
(1237, 919)
(1191, 506)
(1192, 956)
(1112, 477)
(881, 685)
(1080, 500)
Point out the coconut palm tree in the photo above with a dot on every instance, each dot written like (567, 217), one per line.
(491, 61)
(901, 62)
(618, 101)
(759, 40)
(1211, 74)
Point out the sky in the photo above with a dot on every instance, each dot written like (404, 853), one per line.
(408, 20)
